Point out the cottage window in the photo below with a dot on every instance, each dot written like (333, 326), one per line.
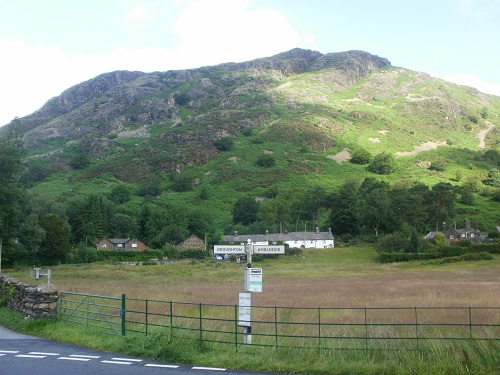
(452, 237)
(103, 245)
(119, 245)
(134, 245)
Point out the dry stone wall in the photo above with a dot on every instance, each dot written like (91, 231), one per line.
(32, 301)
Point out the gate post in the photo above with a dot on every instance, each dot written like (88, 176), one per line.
(122, 313)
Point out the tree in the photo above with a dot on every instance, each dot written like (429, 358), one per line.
(91, 217)
(56, 243)
(441, 209)
(244, 211)
(11, 196)
(493, 178)
(414, 245)
(344, 213)
(361, 156)
(410, 205)
(382, 163)
(375, 210)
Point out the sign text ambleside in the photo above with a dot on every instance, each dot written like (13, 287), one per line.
(269, 249)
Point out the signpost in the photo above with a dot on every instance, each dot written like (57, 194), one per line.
(252, 282)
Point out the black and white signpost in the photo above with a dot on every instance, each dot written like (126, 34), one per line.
(252, 280)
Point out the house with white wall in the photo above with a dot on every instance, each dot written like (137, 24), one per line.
(304, 240)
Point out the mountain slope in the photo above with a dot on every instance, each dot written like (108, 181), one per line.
(309, 111)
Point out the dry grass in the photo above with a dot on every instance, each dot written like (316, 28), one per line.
(321, 278)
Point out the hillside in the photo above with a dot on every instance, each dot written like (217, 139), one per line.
(309, 112)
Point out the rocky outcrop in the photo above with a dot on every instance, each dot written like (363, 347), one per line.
(32, 301)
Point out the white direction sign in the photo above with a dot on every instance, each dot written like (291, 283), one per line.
(269, 249)
(229, 249)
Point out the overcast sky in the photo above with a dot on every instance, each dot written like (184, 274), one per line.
(48, 46)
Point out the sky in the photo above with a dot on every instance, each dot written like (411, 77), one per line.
(47, 46)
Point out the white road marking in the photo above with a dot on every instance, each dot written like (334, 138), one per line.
(85, 356)
(162, 366)
(30, 356)
(209, 368)
(9, 351)
(74, 359)
(39, 353)
(127, 359)
(117, 362)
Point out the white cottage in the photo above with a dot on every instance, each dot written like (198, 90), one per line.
(308, 240)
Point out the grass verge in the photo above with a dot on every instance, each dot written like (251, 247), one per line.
(439, 358)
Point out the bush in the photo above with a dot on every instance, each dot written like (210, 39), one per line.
(382, 163)
(193, 254)
(224, 143)
(265, 161)
(405, 257)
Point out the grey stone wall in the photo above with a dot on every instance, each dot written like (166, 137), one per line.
(32, 301)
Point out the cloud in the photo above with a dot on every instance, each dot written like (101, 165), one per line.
(473, 81)
(229, 30)
(207, 33)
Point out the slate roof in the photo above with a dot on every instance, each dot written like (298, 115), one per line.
(290, 236)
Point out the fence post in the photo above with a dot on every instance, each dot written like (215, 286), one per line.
(416, 325)
(470, 323)
(236, 327)
(147, 317)
(319, 327)
(276, 326)
(366, 331)
(201, 329)
(122, 311)
(171, 323)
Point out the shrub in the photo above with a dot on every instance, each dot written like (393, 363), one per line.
(193, 254)
(224, 143)
(382, 163)
(265, 161)
(361, 156)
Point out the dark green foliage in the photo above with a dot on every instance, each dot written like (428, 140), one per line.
(361, 156)
(244, 211)
(405, 257)
(91, 218)
(265, 161)
(393, 243)
(193, 254)
(55, 245)
(493, 178)
(492, 156)
(382, 163)
(344, 215)
(201, 223)
(183, 181)
(224, 143)
(467, 196)
(79, 159)
(442, 198)
(152, 188)
(414, 244)
(120, 194)
(11, 197)
(181, 98)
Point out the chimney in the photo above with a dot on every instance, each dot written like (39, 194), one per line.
(317, 230)
(267, 232)
(236, 233)
(468, 225)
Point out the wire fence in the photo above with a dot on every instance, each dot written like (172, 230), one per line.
(412, 328)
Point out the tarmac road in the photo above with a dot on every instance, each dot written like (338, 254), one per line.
(23, 354)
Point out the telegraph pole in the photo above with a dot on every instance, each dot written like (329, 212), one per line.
(1, 243)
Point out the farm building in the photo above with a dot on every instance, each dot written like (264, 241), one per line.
(121, 244)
